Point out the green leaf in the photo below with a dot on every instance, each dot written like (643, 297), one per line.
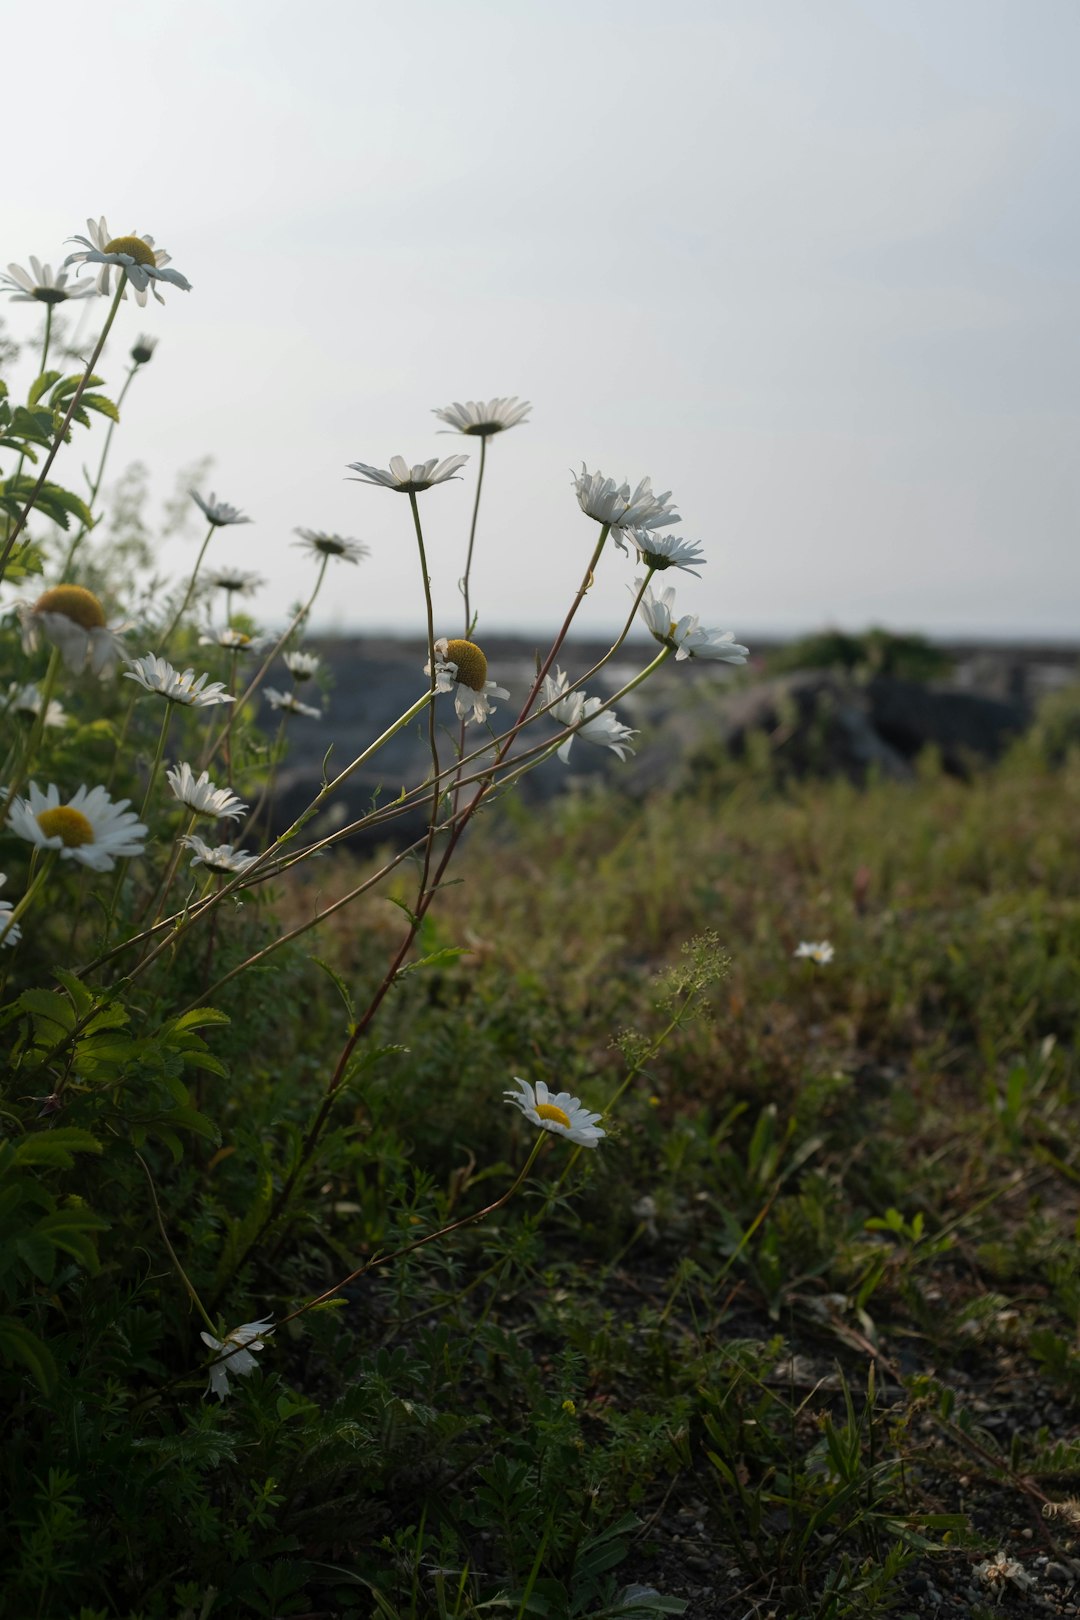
(17, 1343)
(35, 1251)
(196, 1018)
(43, 382)
(49, 1005)
(69, 1229)
(448, 953)
(55, 1146)
(340, 986)
(75, 988)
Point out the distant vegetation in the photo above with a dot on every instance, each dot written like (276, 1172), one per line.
(874, 652)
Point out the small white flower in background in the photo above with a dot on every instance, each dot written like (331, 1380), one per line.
(157, 675)
(240, 1362)
(10, 933)
(73, 619)
(461, 668)
(571, 708)
(605, 501)
(994, 1572)
(481, 419)
(27, 700)
(225, 859)
(233, 640)
(405, 479)
(90, 828)
(142, 350)
(290, 703)
(302, 666)
(332, 545)
(200, 794)
(815, 950)
(41, 285)
(136, 255)
(565, 1115)
(235, 581)
(686, 636)
(666, 550)
(218, 513)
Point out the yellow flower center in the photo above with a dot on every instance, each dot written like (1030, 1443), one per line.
(470, 661)
(134, 247)
(76, 603)
(70, 826)
(549, 1111)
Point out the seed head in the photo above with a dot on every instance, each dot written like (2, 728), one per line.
(76, 603)
(470, 661)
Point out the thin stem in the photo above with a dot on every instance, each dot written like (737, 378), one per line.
(96, 485)
(420, 1242)
(464, 582)
(72, 408)
(185, 1279)
(159, 755)
(37, 731)
(48, 335)
(17, 911)
(182, 609)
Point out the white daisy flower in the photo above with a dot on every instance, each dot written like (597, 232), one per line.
(405, 479)
(10, 933)
(686, 636)
(290, 703)
(200, 794)
(73, 619)
(461, 668)
(303, 666)
(27, 700)
(605, 501)
(225, 859)
(332, 545)
(815, 950)
(235, 581)
(666, 550)
(136, 255)
(233, 640)
(90, 828)
(41, 285)
(142, 350)
(157, 675)
(565, 1115)
(237, 1348)
(482, 419)
(219, 513)
(571, 708)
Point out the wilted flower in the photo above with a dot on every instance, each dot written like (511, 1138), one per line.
(565, 1115)
(302, 666)
(661, 551)
(482, 419)
(686, 636)
(236, 1347)
(10, 933)
(461, 668)
(90, 828)
(42, 285)
(200, 794)
(405, 479)
(73, 619)
(332, 545)
(142, 350)
(135, 255)
(219, 513)
(571, 708)
(27, 700)
(994, 1572)
(815, 950)
(605, 501)
(225, 859)
(290, 703)
(157, 675)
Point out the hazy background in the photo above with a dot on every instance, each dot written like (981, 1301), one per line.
(813, 267)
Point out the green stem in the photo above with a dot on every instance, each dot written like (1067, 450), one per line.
(185, 1279)
(182, 609)
(96, 485)
(58, 441)
(464, 582)
(47, 864)
(159, 755)
(37, 731)
(48, 335)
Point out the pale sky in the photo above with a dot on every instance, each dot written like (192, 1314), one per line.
(810, 266)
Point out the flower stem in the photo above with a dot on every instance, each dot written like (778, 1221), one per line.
(48, 862)
(70, 412)
(184, 1278)
(96, 485)
(182, 609)
(464, 582)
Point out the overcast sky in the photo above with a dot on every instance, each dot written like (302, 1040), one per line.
(812, 267)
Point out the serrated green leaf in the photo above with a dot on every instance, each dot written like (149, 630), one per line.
(448, 953)
(101, 404)
(75, 988)
(196, 1017)
(36, 1252)
(49, 1005)
(17, 1343)
(38, 387)
(339, 985)
(55, 1146)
